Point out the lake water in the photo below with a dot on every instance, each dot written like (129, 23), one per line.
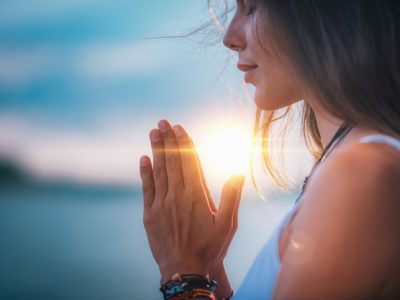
(67, 242)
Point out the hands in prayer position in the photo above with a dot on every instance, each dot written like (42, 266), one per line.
(186, 232)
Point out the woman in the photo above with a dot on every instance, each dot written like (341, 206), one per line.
(341, 240)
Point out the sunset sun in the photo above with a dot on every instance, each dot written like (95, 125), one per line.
(226, 150)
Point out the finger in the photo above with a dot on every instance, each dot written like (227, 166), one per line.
(159, 170)
(146, 174)
(190, 171)
(172, 159)
(200, 168)
(228, 201)
(235, 223)
(237, 205)
(202, 178)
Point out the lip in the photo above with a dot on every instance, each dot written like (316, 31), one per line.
(245, 67)
(249, 69)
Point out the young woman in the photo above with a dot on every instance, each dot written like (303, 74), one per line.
(341, 240)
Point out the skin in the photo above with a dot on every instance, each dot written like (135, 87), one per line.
(186, 232)
(276, 83)
(358, 258)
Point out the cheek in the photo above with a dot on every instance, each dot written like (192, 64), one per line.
(275, 90)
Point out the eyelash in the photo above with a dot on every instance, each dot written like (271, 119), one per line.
(250, 11)
(248, 6)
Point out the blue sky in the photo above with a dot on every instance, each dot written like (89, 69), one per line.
(79, 58)
(80, 89)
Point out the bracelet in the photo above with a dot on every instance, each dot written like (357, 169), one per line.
(187, 286)
(195, 293)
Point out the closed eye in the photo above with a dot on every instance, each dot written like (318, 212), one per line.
(249, 11)
(249, 7)
(245, 6)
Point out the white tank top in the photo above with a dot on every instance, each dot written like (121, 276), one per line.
(260, 279)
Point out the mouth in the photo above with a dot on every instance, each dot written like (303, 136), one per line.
(249, 69)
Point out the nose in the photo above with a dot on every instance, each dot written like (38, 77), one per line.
(234, 37)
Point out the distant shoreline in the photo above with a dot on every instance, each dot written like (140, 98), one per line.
(15, 178)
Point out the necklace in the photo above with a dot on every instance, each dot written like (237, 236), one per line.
(340, 133)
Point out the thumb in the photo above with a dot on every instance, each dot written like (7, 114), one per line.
(229, 197)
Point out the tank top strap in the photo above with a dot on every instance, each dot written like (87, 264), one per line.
(381, 138)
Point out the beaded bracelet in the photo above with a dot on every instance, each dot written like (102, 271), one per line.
(194, 293)
(188, 286)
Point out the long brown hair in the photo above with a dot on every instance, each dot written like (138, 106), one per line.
(347, 52)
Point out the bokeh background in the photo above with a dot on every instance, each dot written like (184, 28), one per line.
(81, 85)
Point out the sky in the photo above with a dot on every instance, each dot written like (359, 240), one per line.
(81, 85)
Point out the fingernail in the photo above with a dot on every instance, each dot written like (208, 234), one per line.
(163, 125)
(178, 130)
(155, 135)
(144, 161)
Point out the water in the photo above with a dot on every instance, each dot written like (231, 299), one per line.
(68, 242)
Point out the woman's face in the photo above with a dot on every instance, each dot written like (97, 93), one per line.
(274, 80)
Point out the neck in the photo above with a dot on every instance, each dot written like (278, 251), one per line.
(327, 126)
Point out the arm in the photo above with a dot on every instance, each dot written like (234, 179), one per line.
(343, 242)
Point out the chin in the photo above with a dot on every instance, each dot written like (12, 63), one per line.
(267, 102)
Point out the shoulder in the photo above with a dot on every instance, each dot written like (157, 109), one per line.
(344, 239)
(370, 170)
(363, 177)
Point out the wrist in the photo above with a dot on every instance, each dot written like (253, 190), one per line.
(224, 288)
(189, 286)
(190, 268)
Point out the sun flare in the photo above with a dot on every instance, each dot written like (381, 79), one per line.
(226, 150)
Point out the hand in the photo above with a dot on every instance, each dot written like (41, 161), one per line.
(186, 233)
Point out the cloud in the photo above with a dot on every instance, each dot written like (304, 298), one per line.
(103, 156)
(121, 60)
(14, 13)
(92, 61)
(19, 67)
